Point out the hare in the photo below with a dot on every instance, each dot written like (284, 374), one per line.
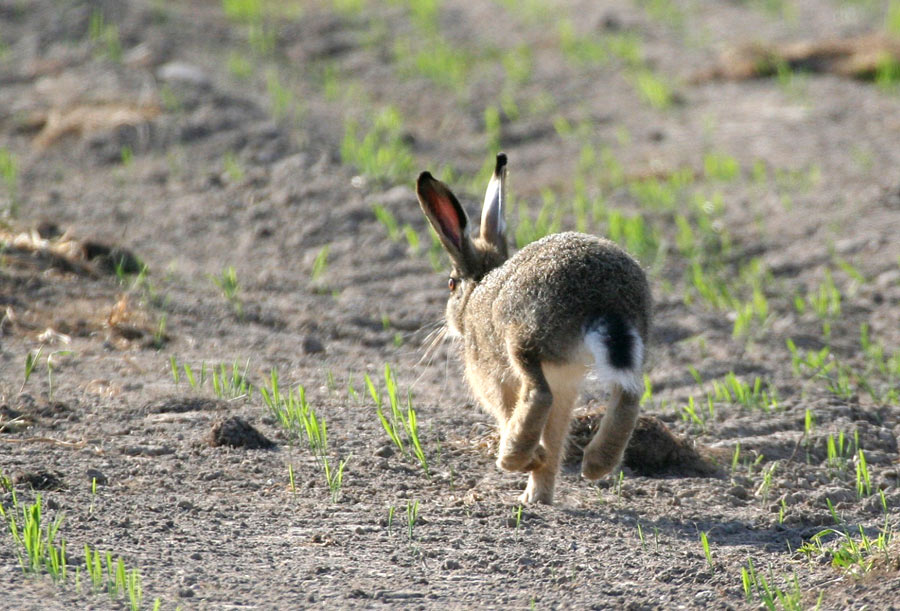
(533, 325)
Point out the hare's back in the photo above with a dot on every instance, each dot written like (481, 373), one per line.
(555, 287)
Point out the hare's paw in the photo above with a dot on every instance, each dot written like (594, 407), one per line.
(537, 491)
(536, 496)
(595, 465)
(521, 457)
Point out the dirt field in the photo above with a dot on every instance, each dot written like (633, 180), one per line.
(228, 187)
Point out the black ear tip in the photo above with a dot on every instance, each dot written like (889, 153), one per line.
(424, 177)
(501, 163)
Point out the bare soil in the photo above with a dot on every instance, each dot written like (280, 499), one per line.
(167, 155)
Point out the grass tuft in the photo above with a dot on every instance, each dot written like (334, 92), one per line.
(401, 425)
(381, 152)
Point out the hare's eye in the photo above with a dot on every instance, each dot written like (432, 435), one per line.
(451, 284)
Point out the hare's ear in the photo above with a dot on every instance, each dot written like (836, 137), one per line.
(493, 226)
(447, 216)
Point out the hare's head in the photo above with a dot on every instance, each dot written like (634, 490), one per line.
(472, 257)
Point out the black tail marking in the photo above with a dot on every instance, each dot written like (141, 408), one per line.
(618, 339)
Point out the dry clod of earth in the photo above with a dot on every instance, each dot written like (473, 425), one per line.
(860, 57)
(238, 433)
(40, 480)
(84, 120)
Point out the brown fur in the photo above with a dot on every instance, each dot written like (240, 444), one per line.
(522, 321)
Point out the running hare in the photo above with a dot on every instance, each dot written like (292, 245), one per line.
(533, 325)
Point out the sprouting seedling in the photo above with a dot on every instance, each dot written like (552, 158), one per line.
(863, 478)
(9, 172)
(159, 336)
(388, 220)
(735, 458)
(35, 540)
(647, 397)
(232, 167)
(412, 431)
(31, 360)
(748, 578)
(173, 365)
(689, 413)
(704, 541)
(390, 518)
(334, 477)
(320, 263)
(227, 282)
(291, 478)
(412, 238)
(765, 486)
(517, 516)
(834, 514)
(412, 516)
(189, 376)
(351, 390)
(106, 35)
(640, 532)
(696, 375)
(135, 591)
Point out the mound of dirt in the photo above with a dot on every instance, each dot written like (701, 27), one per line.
(238, 433)
(39, 480)
(653, 451)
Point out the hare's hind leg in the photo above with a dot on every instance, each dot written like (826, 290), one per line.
(605, 450)
(520, 449)
(618, 359)
(565, 382)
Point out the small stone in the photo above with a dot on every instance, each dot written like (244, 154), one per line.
(742, 480)
(94, 475)
(836, 495)
(451, 565)
(183, 72)
(48, 230)
(385, 451)
(147, 450)
(739, 492)
(312, 345)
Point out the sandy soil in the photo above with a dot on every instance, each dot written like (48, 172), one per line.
(190, 141)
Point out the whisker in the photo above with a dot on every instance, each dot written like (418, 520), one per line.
(432, 342)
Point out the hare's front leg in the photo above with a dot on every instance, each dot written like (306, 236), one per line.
(542, 481)
(520, 449)
(565, 381)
